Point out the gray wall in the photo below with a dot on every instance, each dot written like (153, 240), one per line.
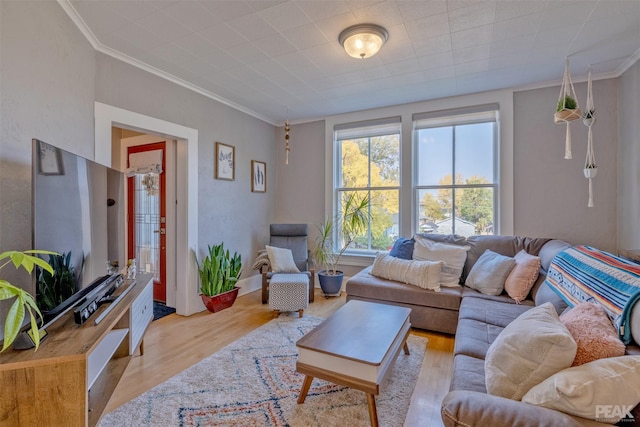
(629, 160)
(551, 193)
(51, 77)
(47, 74)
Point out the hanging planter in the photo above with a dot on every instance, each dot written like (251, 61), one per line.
(590, 169)
(567, 108)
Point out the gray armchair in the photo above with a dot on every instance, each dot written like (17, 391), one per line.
(294, 237)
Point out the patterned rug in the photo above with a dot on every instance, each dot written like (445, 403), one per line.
(253, 382)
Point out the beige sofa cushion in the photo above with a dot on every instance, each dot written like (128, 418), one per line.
(530, 349)
(424, 274)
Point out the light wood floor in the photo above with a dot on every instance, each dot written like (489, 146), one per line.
(174, 343)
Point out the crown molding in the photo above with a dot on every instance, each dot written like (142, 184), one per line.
(95, 43)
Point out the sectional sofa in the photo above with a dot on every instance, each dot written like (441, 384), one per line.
(477, 320)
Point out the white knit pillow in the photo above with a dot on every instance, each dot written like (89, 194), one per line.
(452, 257)
(425, 274)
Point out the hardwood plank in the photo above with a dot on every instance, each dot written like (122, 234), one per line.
(174, 343)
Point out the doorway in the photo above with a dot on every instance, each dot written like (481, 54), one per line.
(147, 213)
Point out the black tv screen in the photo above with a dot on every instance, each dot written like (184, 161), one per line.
(78, 211)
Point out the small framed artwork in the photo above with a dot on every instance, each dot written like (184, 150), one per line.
(225, 161)
(49, 159)
(258, 176)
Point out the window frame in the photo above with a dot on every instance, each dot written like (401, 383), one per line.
(361, 130)
(485, 113)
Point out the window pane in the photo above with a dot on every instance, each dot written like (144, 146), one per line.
(385, 161)
(384, 219)
(474, 211)
(355, 163)
(435, 151)
(474, 153)
(434, 210)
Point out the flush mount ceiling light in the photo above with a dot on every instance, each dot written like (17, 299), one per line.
(363, 40)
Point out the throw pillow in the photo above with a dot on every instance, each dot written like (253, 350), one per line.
(489, 273)
(452, 257)
(281, 260)
(529, 350)
(523, 276)
(403, 248)
(593, 331)
(604, 390)
(425, 274)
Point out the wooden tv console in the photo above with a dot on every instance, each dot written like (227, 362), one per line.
(72, 376)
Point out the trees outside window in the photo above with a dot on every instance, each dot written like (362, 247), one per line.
(370, 167)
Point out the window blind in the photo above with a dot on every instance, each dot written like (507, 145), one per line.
(368, 128)
(458, 116)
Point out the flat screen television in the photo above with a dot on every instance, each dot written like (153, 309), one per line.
(78, 212)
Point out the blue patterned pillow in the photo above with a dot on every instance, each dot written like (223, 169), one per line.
(403, 248)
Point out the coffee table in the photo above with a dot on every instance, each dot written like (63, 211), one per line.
(355, 348)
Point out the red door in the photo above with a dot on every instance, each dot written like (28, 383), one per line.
(146, 228)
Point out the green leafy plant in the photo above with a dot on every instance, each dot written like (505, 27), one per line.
(56, 286)
(219, 271)
(567, 103)
(24, 301)
(352, 222)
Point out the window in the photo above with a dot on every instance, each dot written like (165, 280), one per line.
(367, 164)
(456, 187)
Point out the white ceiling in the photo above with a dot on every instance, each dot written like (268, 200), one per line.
(281, 59)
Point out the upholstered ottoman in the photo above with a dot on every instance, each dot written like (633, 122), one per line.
(288, 292)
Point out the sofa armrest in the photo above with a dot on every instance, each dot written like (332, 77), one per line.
(472, 408)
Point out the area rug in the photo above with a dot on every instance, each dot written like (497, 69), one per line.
(253, 382)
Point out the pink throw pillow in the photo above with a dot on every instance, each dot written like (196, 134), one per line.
(593, 331)
(523, 276)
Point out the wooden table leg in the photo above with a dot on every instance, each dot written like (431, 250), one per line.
(406, 348)
(300, 313)
(305, 388)
(373, 413)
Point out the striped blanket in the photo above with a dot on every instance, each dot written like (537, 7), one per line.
(583, 273)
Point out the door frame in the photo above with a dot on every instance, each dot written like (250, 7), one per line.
(187, 300)
(168, 170)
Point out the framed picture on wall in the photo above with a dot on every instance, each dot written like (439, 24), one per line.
(49, 159)
(258, 176)
(225, 161)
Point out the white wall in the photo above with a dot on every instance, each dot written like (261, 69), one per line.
(629, 159)
(551, 193)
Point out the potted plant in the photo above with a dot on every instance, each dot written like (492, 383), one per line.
(219, 273)
(567, 110)
(590, 170)
(24, 301)
(352, 222)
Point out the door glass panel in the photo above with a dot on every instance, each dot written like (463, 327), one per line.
(147, 223)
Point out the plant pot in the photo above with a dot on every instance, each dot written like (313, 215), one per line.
(567, 115)
(221, 301)
(590, 172)
(331, 284)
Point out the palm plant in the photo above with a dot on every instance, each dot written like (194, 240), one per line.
(24, 301)
(219, 271)
(352, 222)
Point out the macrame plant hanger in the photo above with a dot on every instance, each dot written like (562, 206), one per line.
(590, 168)
(567, 108)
